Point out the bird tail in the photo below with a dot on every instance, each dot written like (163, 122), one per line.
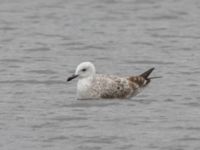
(155, 77)
(146, 74)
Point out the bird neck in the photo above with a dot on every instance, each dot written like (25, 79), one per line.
(85, 82)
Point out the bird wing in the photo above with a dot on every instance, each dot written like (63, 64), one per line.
(143, 79)
(138, 80)
(114, 86)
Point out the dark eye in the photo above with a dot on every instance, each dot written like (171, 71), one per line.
(84, 70)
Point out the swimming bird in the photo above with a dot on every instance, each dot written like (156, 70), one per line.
(95, 86)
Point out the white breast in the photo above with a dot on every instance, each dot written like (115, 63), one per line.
(83, 89)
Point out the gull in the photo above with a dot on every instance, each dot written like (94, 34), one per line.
(100, 86)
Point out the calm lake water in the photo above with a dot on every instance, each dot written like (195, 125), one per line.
(42, 42)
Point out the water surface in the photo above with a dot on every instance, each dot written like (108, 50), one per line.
(42, 42)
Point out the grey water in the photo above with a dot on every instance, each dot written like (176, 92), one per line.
(42, 42)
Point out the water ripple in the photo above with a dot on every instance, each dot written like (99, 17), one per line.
(56, 138)
(189, 139)
(46, 82)
(40, 49)
(91, 103)
(149, 62)
(12, 60)
(161, 17)
(42, 71)
(68, 118)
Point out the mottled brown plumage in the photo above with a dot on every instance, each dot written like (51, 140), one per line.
(94, 86)
(127, 87)
(140, 81)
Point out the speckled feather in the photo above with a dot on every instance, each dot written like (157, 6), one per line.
(108, 86)
(93, 86)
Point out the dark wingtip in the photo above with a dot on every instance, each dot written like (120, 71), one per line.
(146, 74)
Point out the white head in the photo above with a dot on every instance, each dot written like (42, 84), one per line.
(84, 70)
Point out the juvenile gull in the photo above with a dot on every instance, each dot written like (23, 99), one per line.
(94, 86)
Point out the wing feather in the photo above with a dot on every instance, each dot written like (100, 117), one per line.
(113, 87)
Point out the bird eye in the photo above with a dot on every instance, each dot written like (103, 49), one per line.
(84, 70)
